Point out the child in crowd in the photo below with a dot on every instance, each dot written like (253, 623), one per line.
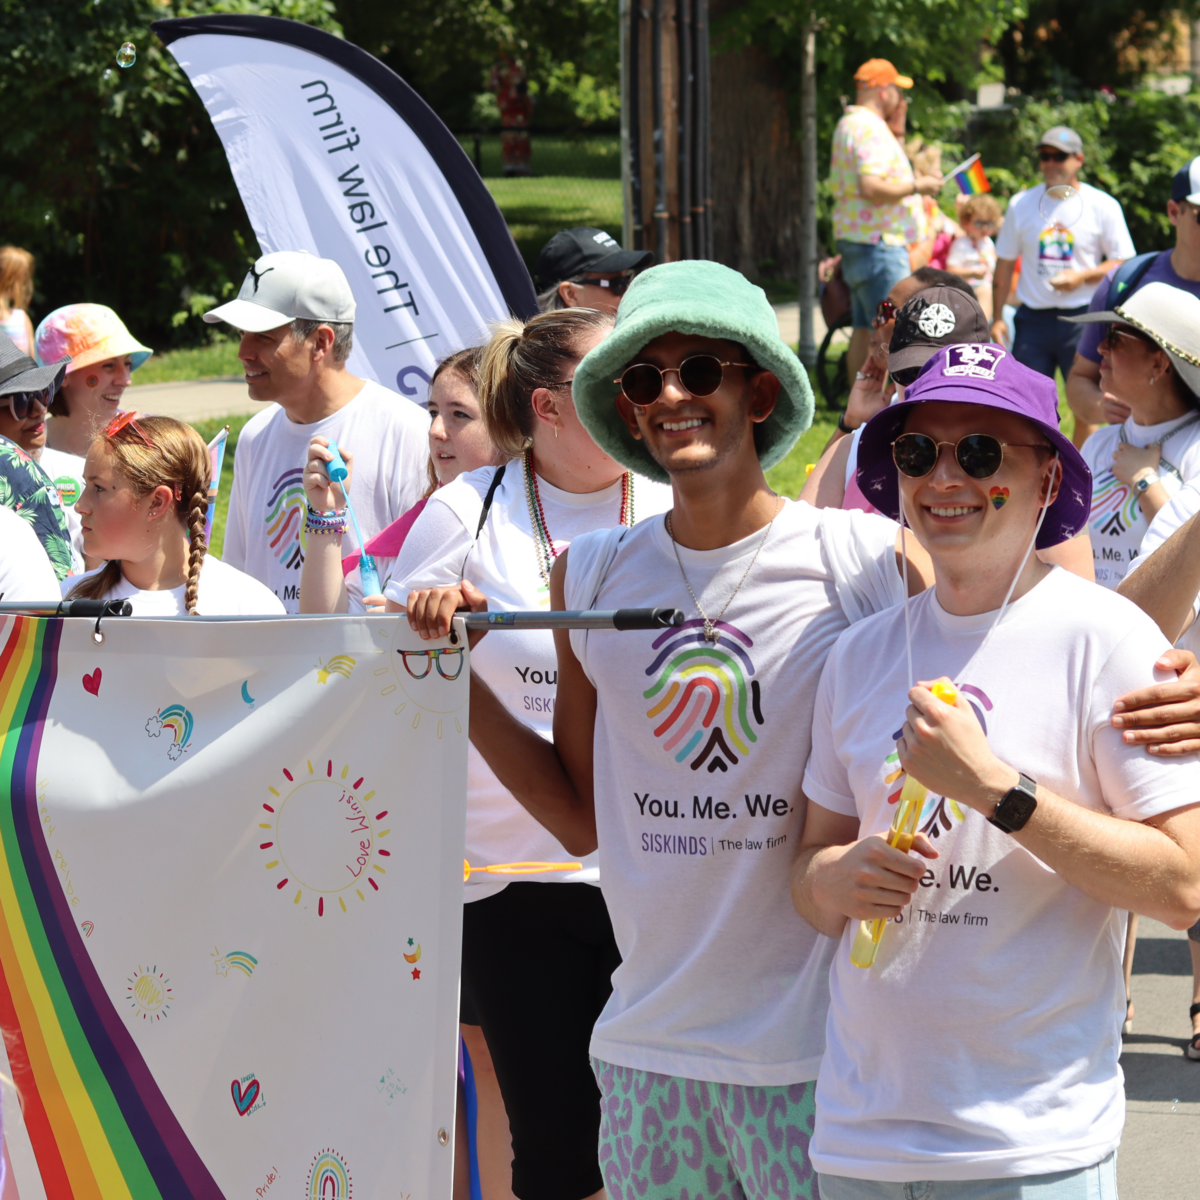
(143, 509)
(973, 254)
(16, 291)
(458, 442)
(103, 357)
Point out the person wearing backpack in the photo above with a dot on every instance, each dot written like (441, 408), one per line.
(1179, 266)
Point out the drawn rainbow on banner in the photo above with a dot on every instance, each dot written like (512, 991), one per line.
(178, 720)
(100, 1127)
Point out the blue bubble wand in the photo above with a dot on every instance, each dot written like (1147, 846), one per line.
(337, 470)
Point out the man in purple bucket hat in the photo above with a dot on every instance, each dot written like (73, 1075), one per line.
(977, 828)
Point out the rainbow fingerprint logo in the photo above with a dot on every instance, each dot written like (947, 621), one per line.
(177, 721)
(329, 1177)
(704, 700)
(1114, 506)
(938, 812)
(285, 518)
(238, 960)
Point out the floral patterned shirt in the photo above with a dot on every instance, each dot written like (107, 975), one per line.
(31, 494)
(864, 145)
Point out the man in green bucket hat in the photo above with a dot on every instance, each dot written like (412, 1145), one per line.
(680, 753)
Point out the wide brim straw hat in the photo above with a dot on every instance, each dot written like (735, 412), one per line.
(703, 299)
(90, 334)
(1167, 315)
(988, 375)
(20, 373)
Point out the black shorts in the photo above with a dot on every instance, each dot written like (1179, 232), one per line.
(537, 968)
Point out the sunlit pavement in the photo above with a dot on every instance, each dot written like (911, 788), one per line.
(197, 401)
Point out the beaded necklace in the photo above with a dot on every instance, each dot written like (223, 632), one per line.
(544, 543)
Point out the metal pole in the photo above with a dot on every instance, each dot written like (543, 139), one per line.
(617, 618)
(683, 25)
(704, 121)
(633, 99)
(808, 196)
(626, 200)
(661, 214)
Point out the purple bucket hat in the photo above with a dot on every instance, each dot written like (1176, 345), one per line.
(989, 375)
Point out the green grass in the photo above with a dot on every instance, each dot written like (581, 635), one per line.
(199, 362)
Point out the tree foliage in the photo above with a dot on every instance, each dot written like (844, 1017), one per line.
(114, 178)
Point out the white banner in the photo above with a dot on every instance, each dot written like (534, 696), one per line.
(230, 907)
(334, 153)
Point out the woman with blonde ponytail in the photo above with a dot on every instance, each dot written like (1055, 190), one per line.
(142, 510)
(501, 528)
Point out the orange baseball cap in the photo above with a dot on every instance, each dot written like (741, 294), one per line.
(878, 72)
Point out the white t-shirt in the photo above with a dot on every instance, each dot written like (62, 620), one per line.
(1099, 234)
(520, 665)
(699, 752)
(984, 1041)
(66, 471)
(1184, 505)
(964, 254)
(224, 592)
(1116, 523)
(265, 536)
(25, 570)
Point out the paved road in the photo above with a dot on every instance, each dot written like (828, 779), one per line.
(194, 401)
(1160, 1153)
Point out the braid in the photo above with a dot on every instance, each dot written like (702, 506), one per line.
(197, 548)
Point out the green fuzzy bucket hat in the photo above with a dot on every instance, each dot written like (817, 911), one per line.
(704, 299)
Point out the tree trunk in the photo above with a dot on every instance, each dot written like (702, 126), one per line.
(755, 164)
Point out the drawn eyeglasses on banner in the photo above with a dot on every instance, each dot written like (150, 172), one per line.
(418, 663)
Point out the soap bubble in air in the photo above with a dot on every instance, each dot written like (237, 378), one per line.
(127, 55)
(1061, 206)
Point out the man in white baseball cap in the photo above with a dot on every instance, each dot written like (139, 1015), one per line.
(296, 316)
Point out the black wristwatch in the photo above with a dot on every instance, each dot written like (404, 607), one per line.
(843, 426)
(1017, 807)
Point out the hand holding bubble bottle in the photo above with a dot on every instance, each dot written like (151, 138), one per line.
(901, 835)
(338, 471)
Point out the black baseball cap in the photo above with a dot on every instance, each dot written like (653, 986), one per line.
(933, 318)
(585, 251)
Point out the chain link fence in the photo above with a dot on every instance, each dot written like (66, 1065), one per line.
(574, 179)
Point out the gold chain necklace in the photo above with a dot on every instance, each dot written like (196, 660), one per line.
(711, 632)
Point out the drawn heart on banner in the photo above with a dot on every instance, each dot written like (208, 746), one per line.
(91, 683)
(243, 1100)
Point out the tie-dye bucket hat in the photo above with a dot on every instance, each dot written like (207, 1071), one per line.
(90, 334)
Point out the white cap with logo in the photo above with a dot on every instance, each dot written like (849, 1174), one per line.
(283, 286)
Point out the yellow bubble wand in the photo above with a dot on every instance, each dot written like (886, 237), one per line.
(520, 868)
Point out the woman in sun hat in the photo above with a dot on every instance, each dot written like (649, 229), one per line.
(103, 356)
(25, 389)
(1150, 358)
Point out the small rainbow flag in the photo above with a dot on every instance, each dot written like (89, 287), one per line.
(970, 177)
(216, 451)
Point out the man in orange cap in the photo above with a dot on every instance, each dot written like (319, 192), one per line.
(870, 176)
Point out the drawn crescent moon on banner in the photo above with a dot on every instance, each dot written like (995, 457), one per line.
(246, 693)
(415, 956)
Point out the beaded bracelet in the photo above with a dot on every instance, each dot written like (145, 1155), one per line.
(332, 521)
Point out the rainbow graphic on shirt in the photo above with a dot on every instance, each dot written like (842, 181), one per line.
(940, 812)
(286, 506)
(1056, 247)
(177, 722)
(704, 701)
(1115, 509)
(99, 1125)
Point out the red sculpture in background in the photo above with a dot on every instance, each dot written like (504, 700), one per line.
(516, 108)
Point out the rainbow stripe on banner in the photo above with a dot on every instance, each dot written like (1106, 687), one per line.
(100, 1127)
(971, 179)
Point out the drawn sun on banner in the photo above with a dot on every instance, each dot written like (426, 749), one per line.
(426, 676)
(322, 839)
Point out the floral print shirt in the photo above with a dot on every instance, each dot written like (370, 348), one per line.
(864, 145)
(31, 494)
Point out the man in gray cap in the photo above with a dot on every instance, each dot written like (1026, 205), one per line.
(1066, 247)
(296, 315)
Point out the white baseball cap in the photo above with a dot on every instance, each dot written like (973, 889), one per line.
(283, 286)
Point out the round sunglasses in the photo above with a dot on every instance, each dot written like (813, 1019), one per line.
(978, 454)
(700, 375)
(21, 403)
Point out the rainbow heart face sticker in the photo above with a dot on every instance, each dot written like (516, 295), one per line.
(244, 1098)
(998, 497)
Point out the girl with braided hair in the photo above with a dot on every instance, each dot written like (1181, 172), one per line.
(142, 512)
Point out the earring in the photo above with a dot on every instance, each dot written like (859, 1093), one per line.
(556, 433)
